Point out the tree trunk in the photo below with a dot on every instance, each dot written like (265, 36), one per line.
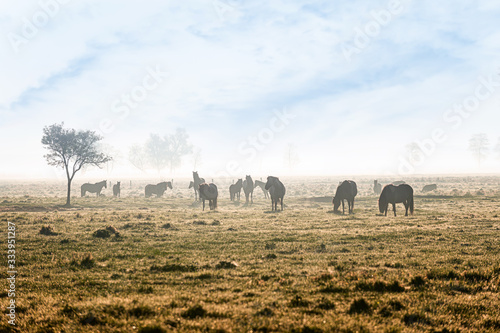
(68, 197)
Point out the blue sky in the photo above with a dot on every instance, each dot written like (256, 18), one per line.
(230, 65)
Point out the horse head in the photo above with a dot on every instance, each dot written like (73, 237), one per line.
(271, 181)
(169, 185)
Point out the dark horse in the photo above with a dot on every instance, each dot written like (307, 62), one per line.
(93, 188)
(248, 189)
(116, 189)
(347, 190)
(262, 185)
(209, 192)
(157, 189)
(276, 190)
(396, 194)
(235, 190)
(196, 184)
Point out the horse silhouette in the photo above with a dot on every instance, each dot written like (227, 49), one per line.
(197, 181)
(276, 190)
(377, 187)
(262, 185)
(396, 194)
(347, 190)
(208, 192)
(157, 189)
(93, 188)
(116, 189)
(235, 190)
(248, 189)
(430, 187)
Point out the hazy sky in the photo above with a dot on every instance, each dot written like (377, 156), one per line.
(349, 84)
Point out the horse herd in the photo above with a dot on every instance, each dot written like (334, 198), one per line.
(397, 192)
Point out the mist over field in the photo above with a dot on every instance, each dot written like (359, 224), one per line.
(309, 88)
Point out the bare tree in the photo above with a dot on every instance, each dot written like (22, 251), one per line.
(291, 156)
(72, 150)
(479, 145)
(137, 157)
(167, 150)
(197, 158)
(497, 147)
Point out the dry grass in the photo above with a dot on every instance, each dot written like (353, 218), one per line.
(175, 268)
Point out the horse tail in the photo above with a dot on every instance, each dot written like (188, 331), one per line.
(411, 205)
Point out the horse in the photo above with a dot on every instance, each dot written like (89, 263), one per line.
(262, 185)
(377, 187)
(276, 190)
(235, 190)
(396, 194)
(347, 190)
(93, 188)
(157, 189)
(116, 189)
(430, 187)
(248, 188)
(208, 192)
(196, 185)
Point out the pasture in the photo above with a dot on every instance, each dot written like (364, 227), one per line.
(135, 264)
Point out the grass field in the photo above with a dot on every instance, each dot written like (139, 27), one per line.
(133, 264)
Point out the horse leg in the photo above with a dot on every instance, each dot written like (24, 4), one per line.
(394, 208)
(406, 207)
(281, 203)
(343, 209)
(203, 204)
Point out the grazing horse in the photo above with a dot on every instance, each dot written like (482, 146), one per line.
(276, 190)
(93, 188)
(116, 189)
(208, 192)
(430, 187)
(347, 190)
(235, 190)
(248, 189)
(196, 185)
(377, 187)
(262, 185)
(157, 189)
(395, 194)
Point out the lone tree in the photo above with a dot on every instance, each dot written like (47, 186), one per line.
(71, 150)
(478, 145)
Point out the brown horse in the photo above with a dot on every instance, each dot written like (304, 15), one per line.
(347, 190)
(248, 189)
(116, 189)
(208, 192)
(235, 190)
(276, 190)
(93, 188)
(157, 189)
(395, 194)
